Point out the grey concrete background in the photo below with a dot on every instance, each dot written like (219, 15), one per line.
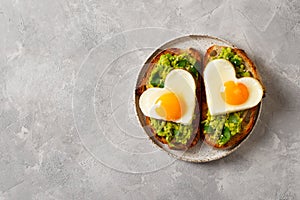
(42, 47)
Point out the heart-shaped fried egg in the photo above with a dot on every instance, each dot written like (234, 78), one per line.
(225, 93)
(175, 102)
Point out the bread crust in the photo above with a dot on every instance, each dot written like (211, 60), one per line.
(195, 136)
(250, 115)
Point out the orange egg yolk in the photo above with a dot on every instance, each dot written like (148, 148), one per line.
(168, 107)
(235, 93)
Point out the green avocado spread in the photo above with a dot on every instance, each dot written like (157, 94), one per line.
(222, 127)
(174, 133)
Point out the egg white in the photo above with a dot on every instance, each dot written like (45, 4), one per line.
(182, 84)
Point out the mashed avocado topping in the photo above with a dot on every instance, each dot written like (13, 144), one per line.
(222, 127)
(226, 53)
(168, 62)
(171, 131)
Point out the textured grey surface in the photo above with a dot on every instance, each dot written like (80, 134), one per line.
(48, 148)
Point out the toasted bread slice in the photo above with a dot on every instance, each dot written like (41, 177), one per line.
(249, 115)
(142, 86)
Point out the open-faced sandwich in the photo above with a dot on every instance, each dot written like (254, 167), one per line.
(169, 97)
(231, 96)
(179, 104)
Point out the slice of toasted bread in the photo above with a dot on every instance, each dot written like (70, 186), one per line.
(142, 86)
(249, 115)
